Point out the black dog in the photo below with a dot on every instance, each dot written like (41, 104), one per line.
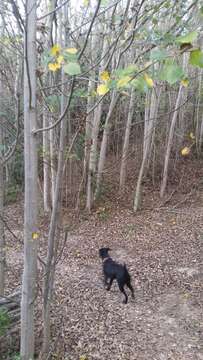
(112, 270)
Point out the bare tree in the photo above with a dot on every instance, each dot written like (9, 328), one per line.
(2, 234)
(151, 109)
(55, 215)
(170, 142)
(126, 140)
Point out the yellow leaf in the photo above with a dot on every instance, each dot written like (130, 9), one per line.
(185, 82)
(35, 235)
(124, 81)
(60, 59)
(185, 151)
(72, 51)
(93, 93)
(102, 89)
(55, 50)
(148, 80)
(192, 136)
(83, 357)
(104, 76)
(54, 66)
(186, 295)
(86, 2)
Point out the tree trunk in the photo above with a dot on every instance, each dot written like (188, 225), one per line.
(126, 140)
(88, 127)
(46, 165)
(199, 125)
(94, 137)
(49, 174)
(151, 110)
(31, 176)
(2, 234)
(55, 215)
(53, 165)
(102, 156)
(170, 142)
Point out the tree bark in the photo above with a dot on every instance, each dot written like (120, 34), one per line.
(170, 142)
(102, 155)
(151, 109)
(2, 233)
(94, 136)
(31, 176)
(126, 140)
(55, 215)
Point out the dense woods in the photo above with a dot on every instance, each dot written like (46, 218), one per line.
(101, 138)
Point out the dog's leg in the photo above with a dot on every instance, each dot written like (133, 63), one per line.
(121, 288)
(110, 283)
(105, 280)
(128, 283)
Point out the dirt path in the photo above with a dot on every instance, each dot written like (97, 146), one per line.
(165, 321)
(162, 250)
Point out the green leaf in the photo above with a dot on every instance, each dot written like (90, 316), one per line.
(168, 39)
(70, 57)
(188, 38)
(196, 58)
(123, 82)
(178, 18)
(140, 84)
(72, 68)
(154, 21)
(167, 5)
(171, 73)
(128, 71)
(158, 54)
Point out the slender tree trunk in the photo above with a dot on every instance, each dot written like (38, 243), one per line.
(151, 109)
(51, 255)
(171, 131)
(102, 156)
(201, 135)
(2, 234)
(49, 166)
(88, 127)
(31, 203)
(170, 142)
(94, 138)
(126, 140)
(55, 215)
(46, 165)
(199, 125)
(52, 162)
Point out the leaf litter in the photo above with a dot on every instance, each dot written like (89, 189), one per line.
(163, 251)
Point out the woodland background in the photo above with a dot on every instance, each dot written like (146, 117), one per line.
(101, 131)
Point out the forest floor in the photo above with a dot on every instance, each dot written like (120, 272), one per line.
(163, 249)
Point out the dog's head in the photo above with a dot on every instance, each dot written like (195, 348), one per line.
(103, 252)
